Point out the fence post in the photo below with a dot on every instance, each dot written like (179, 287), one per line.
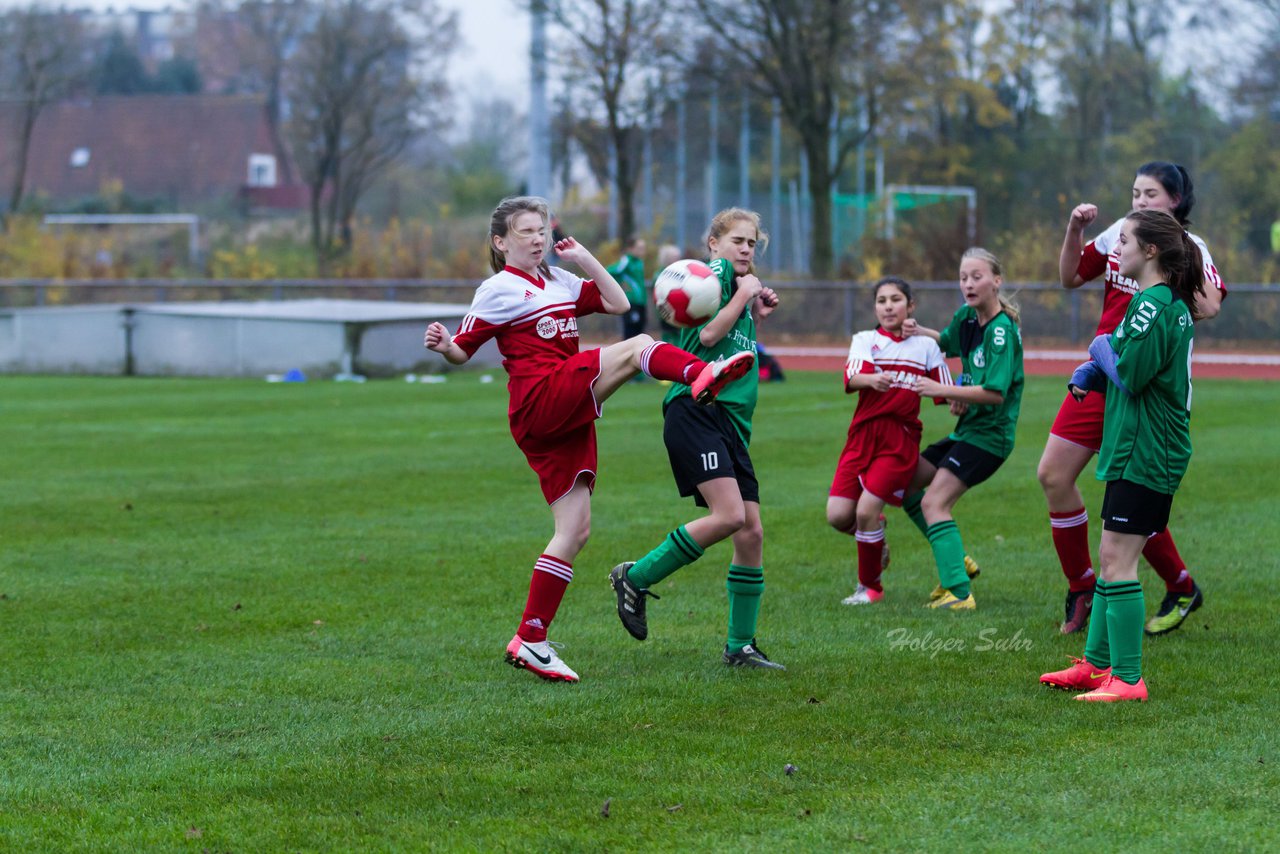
(848, 308)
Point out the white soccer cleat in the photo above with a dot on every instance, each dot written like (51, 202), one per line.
(538, 658)
(863, 596)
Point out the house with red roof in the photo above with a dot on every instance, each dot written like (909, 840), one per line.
(183, 150)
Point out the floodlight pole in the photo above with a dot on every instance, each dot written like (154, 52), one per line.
(539, 180)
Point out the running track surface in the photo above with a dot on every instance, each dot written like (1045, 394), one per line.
(1243, 366)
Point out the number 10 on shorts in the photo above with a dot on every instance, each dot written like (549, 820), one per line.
(710, 461)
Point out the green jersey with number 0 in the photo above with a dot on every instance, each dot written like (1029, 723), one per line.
(1146, 434)
(738, 397)
(991, 357)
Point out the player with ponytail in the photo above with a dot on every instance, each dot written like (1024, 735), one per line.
(1076, 434)
(1145, 368)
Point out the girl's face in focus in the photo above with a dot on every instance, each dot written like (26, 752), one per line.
(979, 285)
(525, 243)
(737, 246)
(1150, 194)
(892, 308)
(1130, 253)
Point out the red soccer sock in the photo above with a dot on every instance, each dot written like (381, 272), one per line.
(870, 551)
(1071, 540)
(1163, 556)
(551, 576)
(664, 361)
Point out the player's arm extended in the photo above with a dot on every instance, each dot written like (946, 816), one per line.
(971, 394)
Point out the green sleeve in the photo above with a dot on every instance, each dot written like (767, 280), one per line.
(1001, 356)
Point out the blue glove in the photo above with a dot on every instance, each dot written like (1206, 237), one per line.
(1104, 355)
(1086, 378)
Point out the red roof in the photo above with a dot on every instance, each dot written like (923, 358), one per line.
(177, 147)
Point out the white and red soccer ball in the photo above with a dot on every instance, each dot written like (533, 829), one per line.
(687, 293)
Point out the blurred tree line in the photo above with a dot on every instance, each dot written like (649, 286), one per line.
(1037, 104)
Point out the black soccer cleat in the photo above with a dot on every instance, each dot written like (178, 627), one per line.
(1079, 604)
(1174, 610)
(750, 656)
(631, 604)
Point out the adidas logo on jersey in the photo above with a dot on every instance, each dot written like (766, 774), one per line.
(528, 295)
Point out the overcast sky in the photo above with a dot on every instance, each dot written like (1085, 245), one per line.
(495, 37)
(494, 55)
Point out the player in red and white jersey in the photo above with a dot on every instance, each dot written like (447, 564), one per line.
(1076, 434)
(883, 444)
(558, 391)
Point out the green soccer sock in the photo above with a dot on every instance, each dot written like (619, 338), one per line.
(948, 554)
(911, 505)
(677, 550)
(1125, 610)
(745, 586)
(1097, 645)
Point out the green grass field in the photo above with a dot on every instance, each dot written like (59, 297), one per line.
(247, 617)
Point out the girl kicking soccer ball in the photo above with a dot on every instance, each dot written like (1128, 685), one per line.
(984, 334)
(558, 391)
(1146, 442)
(880, 455)
(707, 446)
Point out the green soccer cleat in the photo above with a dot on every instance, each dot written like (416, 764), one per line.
(1175, 608)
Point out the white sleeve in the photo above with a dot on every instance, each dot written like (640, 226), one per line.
(1107, 241)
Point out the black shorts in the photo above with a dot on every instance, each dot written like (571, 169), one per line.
(969, 463)
(1131, 508)
(703, 445)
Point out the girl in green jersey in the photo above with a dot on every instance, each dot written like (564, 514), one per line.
(707, 446)
(1146, 442)
(984, 334)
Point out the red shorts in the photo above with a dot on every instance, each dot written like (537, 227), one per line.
(880, 457)
(1080, 421)
(555, 425)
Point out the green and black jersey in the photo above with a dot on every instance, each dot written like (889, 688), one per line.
(991, 357)
(1146, 434)
(738, 397)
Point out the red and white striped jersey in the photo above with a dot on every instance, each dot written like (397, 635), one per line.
(534, 320)
(907, 359)
(1099, 257)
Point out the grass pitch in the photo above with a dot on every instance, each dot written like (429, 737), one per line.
(249, 617)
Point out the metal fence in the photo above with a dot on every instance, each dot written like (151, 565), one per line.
(813, 312)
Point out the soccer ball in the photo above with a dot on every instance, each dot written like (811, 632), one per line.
(687, 293)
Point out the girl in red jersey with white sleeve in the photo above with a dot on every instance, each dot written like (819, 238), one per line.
(1076, 434)
(557, 391)
(883, 447)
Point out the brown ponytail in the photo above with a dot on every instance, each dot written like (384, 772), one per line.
(1177, 254)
